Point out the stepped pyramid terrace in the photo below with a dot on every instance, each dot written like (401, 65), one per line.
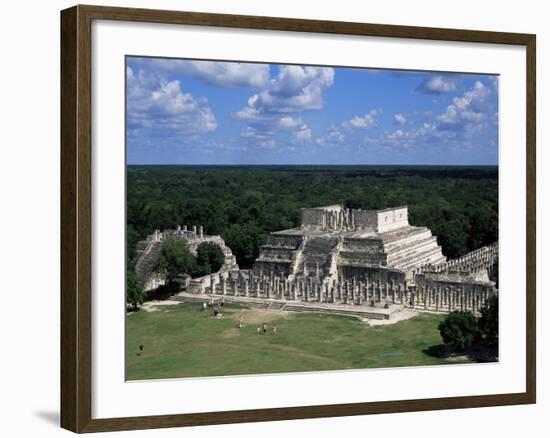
(343, 244)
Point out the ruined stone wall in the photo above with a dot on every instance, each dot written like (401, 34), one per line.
(148, 251)
(392, 219)
(312, 217)
(366, 219)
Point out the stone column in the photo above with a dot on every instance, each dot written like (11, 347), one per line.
(426, 295)
(201, 232)
(245, 287)
(292, 291)
(213, 283)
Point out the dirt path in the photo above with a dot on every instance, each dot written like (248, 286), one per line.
(396, 317)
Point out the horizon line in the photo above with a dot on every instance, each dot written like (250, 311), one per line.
(315, 164)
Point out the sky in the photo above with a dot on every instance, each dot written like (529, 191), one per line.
(231, 113)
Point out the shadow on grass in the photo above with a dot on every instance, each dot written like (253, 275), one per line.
(480, 352)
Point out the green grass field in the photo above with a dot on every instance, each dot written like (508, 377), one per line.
(184, 341)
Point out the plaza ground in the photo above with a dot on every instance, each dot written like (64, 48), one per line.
(181, 340)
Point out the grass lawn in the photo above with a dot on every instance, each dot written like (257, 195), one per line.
(184, 341)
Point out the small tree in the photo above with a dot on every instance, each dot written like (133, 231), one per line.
(210, 258)
(488, 322)
(175, 259)
(459, 329)
(134, 291)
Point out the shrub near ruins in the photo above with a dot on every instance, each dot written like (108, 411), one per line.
(210, 258)
(459, 329)
(488, 322)
(175, 259)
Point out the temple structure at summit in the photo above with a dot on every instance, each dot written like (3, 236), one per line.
(346, 244)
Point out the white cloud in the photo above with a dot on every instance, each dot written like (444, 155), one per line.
(229, 74)
(294, 89)
(468, 122)
(467, 108)
(302, 134)
(334, 136)
(252, 133)
(272, 110)
(287, 122)
(400, 119)
(365, 122)
(163, 108)
(437, 85)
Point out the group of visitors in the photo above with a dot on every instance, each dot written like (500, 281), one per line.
(262, 330)
(215, 306)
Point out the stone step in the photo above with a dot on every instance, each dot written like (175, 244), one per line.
(428, 256)
(291, 306)
(411, 251)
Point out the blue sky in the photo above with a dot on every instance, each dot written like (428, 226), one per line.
(208, 112)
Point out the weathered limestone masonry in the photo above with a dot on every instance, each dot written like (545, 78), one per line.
(345, 243)
(481, 261)
(149, 249)
(360, 257)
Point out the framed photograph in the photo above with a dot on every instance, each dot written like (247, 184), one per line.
(269, 218)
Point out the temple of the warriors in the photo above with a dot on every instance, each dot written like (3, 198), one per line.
(369, 263)
(344, 244)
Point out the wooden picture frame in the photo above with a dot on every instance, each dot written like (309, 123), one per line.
(76, 217)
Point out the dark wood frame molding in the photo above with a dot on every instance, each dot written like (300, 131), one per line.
(76, 174)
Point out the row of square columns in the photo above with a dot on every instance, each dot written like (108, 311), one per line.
(475, 261)
(428, 297)
(449, 298)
